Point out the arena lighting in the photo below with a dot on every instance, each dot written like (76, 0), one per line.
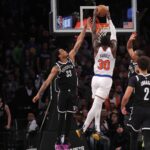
(122, 30)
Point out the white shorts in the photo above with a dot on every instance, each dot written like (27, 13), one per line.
(101, 86)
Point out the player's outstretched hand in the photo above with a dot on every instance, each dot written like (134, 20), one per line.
(36, 98)
(133, 36)
(124, 112)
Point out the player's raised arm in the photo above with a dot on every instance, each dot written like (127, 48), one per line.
(46, 83)
(94, 35)
(113, 37)
(130, 46)
(78, 42)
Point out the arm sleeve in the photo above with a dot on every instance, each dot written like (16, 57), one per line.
(132, 82)
(112, 30)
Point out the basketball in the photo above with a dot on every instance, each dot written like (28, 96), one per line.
(102, 10)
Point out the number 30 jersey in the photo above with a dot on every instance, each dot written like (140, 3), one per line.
(67, 77)
(104, 62)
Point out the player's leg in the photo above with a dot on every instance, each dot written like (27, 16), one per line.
(98, 116)
(146, 127)
(68, 122)
(133, 140)
(58, 143)
(96, 107)
(91, 113)
(67, 128)
(61, 118)
(134, 125)
(90, 117)
(71, 109)
(101, 94)
(61, 108)
(98, 113)
(146, 134)
(94, 111)
(99, 102)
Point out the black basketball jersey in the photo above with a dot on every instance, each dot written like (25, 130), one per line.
(67, 77)
(131, 69)
(141, 84)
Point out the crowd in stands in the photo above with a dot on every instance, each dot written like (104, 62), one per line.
(27, 55)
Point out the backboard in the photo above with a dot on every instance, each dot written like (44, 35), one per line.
(69, 16)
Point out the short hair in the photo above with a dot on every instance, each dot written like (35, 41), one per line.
(143, 62)
(139, 53)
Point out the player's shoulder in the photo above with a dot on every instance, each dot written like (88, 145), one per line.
(148, 75)
(58, 65)
(134, 78)
(71, 61)
(56, 68)
(140, 77)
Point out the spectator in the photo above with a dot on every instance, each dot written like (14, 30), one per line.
(5, 122)
(117, 133)
(32, 129)
(5, 115)
(23, 99)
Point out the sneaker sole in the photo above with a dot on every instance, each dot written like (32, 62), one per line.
(78, 133)
(96, 137)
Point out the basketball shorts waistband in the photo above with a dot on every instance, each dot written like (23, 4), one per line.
(103, 75)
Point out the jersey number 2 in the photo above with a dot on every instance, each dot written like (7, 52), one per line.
(104, 64)
(146, 90)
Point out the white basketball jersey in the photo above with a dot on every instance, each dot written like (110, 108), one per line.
(104, 62)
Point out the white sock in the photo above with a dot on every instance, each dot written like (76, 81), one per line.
(98, 113)
(94, 111)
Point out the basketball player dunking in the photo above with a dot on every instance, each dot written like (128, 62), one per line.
(105, 54)
(67, 83)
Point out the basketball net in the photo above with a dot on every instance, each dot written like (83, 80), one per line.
(99, 26)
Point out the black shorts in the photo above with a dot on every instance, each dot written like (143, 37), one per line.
(67, 101)
(139, 118)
